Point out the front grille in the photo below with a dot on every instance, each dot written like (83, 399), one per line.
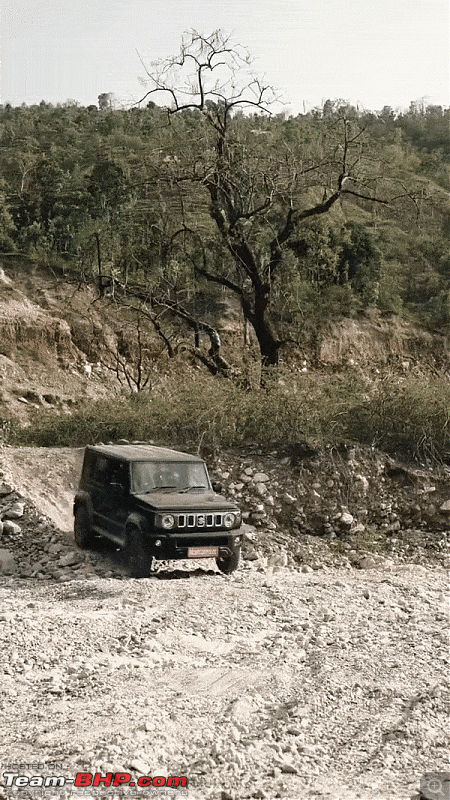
(199, 520)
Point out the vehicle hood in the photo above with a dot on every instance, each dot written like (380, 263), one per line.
(185, 502)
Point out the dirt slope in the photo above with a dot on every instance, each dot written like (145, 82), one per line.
(46, 476)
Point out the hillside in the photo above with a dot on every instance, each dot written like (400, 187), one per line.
(58, 339)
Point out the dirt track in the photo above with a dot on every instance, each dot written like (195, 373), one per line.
(270, 683)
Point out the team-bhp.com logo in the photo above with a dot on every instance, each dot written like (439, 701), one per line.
(89, 779)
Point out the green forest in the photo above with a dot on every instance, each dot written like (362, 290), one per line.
(208, 185)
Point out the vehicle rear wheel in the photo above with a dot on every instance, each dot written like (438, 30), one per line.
(82, 533)
(138, 557)
(227, 564)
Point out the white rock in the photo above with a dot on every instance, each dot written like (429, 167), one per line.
(15, 512)
(242, 709)
(139, 766)
(68, 559)
(364, 482)
(346, 519)
(278, 560)
(11, 527)
(261, 477)
(288, 498)
(261, 489)
(359, 528)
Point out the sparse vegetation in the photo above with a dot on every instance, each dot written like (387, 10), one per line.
(406, 416)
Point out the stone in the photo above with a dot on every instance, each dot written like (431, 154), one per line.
(261, 477)
(359, 528)
(54, 547)
(261, 489)
(445, 507)
(367, 562)
(69, 559)
(288, 498)
(7, 563)
(278, 560)
(15, 511)
(11, 527)
(241, 709)
(346, 519)
(5, 488)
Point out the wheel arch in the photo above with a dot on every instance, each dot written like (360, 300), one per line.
(138, 520)
(83, 500)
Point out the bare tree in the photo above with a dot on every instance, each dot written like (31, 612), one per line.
(256, 200)
(130, 361)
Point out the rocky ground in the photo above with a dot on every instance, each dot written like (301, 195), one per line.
(318, 670)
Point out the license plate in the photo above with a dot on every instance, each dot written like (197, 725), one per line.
(203, 552)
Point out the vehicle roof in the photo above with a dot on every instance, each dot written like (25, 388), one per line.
(142, 452)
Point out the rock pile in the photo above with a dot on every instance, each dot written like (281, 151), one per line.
(303, 509)
(32, 547)
(355, 501)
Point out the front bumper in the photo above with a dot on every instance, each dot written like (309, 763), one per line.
(178, 545)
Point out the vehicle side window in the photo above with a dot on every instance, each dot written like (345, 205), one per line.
(88, 466)
(118, 474)
(101, 472)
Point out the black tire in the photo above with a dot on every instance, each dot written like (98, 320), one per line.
(138, 556)
(227, 564)
(82, 533)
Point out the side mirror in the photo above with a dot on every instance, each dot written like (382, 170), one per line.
(217, 487)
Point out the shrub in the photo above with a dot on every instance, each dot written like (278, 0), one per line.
(406, 416)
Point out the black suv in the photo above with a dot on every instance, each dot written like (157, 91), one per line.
(154, 503)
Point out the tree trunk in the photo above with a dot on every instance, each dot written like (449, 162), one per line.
(269, 343)
(268, 339)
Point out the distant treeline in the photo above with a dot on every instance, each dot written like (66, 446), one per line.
(112, 192)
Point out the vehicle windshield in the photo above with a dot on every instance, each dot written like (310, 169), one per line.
(151, 476)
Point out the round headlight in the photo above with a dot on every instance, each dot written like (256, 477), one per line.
(167, 521)
(228, 520)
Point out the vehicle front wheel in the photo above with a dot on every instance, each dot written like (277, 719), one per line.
(227, 564)
(138, 556)
(82, 533)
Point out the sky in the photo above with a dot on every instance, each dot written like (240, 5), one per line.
(371, 53)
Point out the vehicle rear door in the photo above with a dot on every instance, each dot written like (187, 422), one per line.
(110, 496)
